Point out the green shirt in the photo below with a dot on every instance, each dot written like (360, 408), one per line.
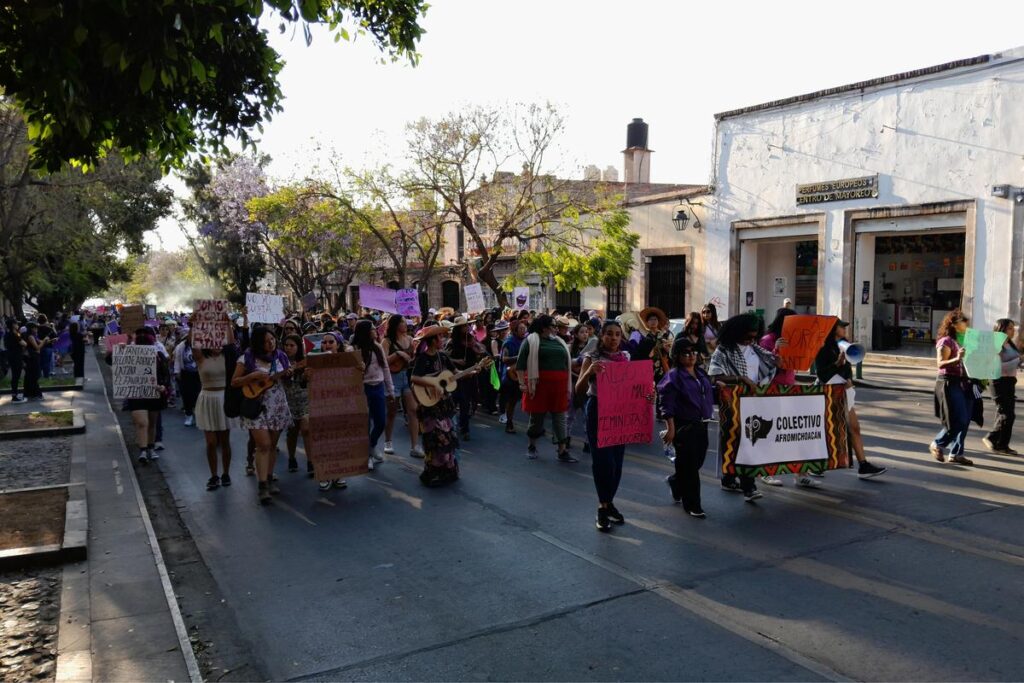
(553, 355)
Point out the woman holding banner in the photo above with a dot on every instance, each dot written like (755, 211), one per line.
(833, 368)
(1004, 392)
(398, 348)
(954, 392)
(332, 343)
(146, 411)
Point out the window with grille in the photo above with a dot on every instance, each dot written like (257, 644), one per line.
(616, 299)
(567, 301)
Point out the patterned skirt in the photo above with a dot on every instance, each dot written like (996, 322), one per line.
(440, 465)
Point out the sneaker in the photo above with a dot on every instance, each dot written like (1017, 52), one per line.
(273, 487)
(158, 446)
(807, 483)
(770, 480)
(389, 448)
(565, 457)
(988, 444)
(369, 463)
(614, 514)
(867, 470)
(698, 513)
(190, 420)
(153, 455)
(937, 452)
(213, 483)
(752, 496)
(293, 465)
(19, 399)
(324, 485)
(503, 419)
(263, 494)
(1008, 451)
(961, 460)
(417, 452)
(817, 475)
(531, 453)
(731, 487)
(376, 456)
(144, 457)
(339, 484)
(250, 470)
(273, 477)
(676, 496)
(225, 479)
(603, 524)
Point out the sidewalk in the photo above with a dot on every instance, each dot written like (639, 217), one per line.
(118, 617)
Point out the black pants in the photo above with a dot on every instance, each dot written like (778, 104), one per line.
(190, 387)
(746, 483)
(691, 444)
(488, 395)
(464, 399)
(16, 369)
(32, 389)
(1004, 391)
(78, 358)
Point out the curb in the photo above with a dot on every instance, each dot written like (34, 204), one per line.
(77, 427)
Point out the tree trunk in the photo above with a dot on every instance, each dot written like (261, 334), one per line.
(487, 277)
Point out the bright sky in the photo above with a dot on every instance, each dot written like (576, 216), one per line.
(672, 63)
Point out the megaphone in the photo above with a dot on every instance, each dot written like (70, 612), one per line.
(854, 352)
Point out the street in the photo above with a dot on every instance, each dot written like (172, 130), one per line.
(502, 576)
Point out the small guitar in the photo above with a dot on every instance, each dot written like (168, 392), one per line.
(444, 382)
(255, 388)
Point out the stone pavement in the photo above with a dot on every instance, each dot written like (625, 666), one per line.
(119, 621)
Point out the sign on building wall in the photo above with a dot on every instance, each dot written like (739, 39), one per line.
(837, 190)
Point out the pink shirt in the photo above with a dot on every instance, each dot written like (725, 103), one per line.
(784, 377)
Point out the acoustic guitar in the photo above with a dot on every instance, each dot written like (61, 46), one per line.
(255, 388)
(444, 382)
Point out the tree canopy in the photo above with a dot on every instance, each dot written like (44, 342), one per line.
(165, 79)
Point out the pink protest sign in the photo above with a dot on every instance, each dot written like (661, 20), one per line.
(112, 340)
(624, 415)
(211, 326)
(377, 298)
(407, 301)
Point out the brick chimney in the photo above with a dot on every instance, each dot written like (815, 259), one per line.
(636, 156)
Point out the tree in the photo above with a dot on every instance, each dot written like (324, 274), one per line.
(225, 244)
(62, 234)
(172, 280)
(459, 158)
(311, 241)
(164, 79)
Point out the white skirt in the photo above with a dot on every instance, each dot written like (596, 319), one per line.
(209, 412)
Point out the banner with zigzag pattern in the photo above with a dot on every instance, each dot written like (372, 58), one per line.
(780, 429)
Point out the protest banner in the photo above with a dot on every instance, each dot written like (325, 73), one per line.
(521, 298)
(338, 415)
(308, 301)
(475, 298)
(624, 415)
(112, 340)
(264, 308)
(806, 334)
(407, 301)
(981, 353)
(150, 311)
(377, 298)
(132, 318)
(134, 372)
(783, 429)
(211, 326)
(112, 328)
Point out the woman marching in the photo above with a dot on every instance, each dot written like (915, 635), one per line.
(146, 411)
(954, 392)
(208, 410)
(712, 328)
(297, 393)
(398, 347)
(545, 380)
(580, 337)
(1004, 392)
(377, 384)
(265, 365)
(440, 465)
(332, 343)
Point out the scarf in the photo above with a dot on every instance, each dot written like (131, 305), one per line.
(533, 363)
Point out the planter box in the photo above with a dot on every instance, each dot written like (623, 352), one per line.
(76, 427)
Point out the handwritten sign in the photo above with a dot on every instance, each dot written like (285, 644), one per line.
(521, 298)
(112, 340)
(407, 301)
(378, 298)
(211, 326)
(132, 318)
(339, 444)
(150, 311)
(475, 298)
(806, 335)
(624, 415)
(264, 308)
(981, 353)
(113, 328)
(134, 371)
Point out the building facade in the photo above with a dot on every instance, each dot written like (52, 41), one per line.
(887, 202)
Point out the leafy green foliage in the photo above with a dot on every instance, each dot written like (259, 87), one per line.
(165, 79)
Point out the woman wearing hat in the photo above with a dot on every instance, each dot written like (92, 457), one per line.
(544, 378)
(463, 354)
(437, 422)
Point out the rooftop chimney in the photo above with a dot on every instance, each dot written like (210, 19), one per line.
(636, 156)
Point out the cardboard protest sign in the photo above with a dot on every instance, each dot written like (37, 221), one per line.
(806, 335)
(407, 301)
(132, 318)
(134, 372)
(475, 298)
(780, 428)
(981, 353)
(211, 326)
(338, 417)
(624, 415)
(264, 308)
(308, 301)
(378, 298)
(521, 298)
(112, 340)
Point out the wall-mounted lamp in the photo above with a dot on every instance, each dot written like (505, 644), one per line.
(1007, 191)
(682, 216)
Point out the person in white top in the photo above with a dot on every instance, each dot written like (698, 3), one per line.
(377, 382)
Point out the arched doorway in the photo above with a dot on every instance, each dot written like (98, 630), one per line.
(450, 294)
(393, 284)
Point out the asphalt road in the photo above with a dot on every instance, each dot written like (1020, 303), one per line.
(917, 575)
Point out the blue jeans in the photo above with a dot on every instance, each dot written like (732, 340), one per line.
(961, 405)
(606, 463)
(376, 401)
(46, 361)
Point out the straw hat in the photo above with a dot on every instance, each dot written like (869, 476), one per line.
(428, 332)
(501, 325)
(460, 321)
(656, 312)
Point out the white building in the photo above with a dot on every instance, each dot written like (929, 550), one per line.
(886, 202)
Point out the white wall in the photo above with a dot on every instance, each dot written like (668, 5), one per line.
(941, 138)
